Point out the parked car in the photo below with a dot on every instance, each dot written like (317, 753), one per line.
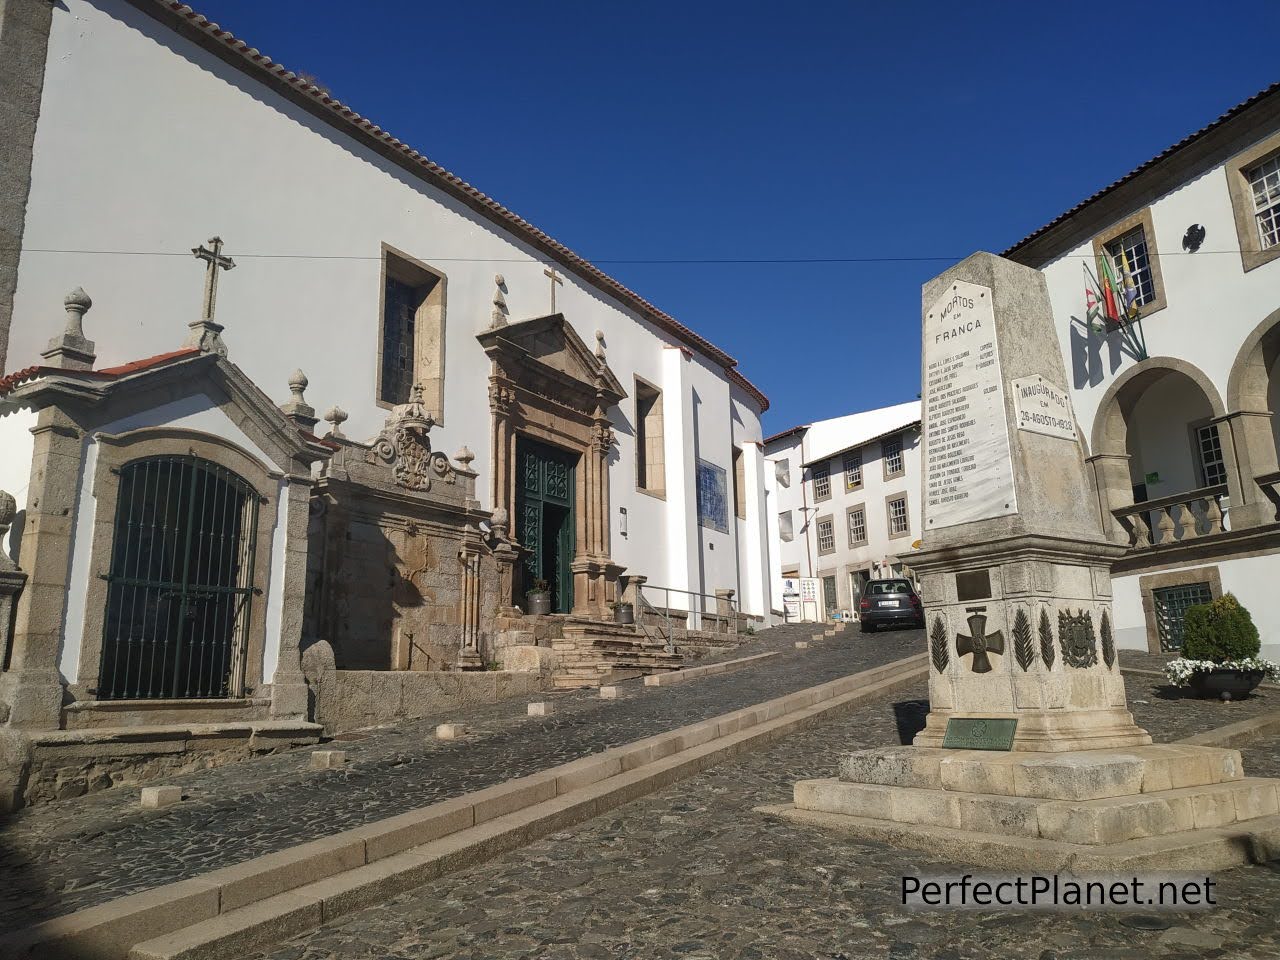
(890, 603)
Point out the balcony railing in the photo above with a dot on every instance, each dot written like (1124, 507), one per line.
(1176, 519)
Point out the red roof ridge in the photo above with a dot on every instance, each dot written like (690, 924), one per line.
(146, 363)
(8, 382)
(259, 61)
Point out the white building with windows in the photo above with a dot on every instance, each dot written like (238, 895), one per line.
(1178, 407)
(847, 507)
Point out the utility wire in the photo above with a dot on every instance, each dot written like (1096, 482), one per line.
(695, 261)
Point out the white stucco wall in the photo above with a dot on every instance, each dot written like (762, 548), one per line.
(289, 186)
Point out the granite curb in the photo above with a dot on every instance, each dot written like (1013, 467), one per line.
(711, 669)
(237, 907)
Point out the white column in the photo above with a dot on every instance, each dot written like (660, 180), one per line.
(681, 478)
(755, 540)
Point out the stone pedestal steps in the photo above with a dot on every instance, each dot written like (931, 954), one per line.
(251, 905)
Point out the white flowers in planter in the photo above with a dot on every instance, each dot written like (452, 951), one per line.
(1181, 671)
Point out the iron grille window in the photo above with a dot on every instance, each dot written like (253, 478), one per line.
(1264, 179)
(898, 522)
(857, 526)
(893, 457)
(829, 595)
(852, 470)
(1213, 468)
(1171, 605)
(399, 340)
(1129, 255)
(822, 482)
(826, 536)
(180, 586)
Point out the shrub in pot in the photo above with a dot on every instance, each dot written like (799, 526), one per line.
(1220, 646)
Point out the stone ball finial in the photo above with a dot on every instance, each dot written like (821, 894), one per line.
(499, 279)
(298, 384)
(77, 304)
(600, 345)
(335, 416)
(464, 456)
(8, 510)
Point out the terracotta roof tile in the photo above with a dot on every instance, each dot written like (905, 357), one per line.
(137, 365)
(18, 377)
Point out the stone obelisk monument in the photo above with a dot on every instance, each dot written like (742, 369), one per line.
(1029, 756)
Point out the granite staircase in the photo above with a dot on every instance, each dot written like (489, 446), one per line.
(593, 653)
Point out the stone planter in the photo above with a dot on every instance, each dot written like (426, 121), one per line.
(624, 613)
(538, 604)
(1225, 684)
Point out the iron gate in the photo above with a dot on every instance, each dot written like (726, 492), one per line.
(180, 587)
(545, 519)
(1171, 605)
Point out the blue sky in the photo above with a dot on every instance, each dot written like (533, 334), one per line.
(749, 131)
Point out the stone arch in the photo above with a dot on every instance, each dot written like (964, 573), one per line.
(1110, 426)
(1248, 385)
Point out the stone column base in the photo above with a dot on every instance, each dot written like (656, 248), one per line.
(595, 587)
(1158, 807)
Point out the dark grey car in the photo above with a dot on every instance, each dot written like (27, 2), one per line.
(890, 603)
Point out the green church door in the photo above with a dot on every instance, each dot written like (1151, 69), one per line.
(545, 518)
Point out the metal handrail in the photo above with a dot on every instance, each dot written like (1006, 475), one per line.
(667, 591)
(646, 607)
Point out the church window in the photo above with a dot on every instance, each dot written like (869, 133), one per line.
(650, 453)
(852, 470)
(826, 535)
(892, 452)
(1264, 181)
(786, 527)
(411, 349)
(739, 485)
(822, 482)
(1213, 467)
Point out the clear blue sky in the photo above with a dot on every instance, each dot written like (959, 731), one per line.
(702, 130)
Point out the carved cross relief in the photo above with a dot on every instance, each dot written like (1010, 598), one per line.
(979, 643)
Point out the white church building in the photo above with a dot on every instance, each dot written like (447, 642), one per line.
(498, 417)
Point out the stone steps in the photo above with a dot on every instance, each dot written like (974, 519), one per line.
(591, 657)
(1110, 820)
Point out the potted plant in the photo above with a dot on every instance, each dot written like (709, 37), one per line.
(1220, 652)
(538, 598)
(624, 612)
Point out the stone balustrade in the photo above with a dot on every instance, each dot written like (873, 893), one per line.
(1175, 519)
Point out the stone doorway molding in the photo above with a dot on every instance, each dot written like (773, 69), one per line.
(547, 385)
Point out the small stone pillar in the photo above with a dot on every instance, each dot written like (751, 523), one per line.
(1252, 441)
(296, 407)
(289, 687)
(71, 350)
(505, 556)
(469, 656)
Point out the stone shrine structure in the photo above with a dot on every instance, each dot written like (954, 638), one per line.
(1015, 572)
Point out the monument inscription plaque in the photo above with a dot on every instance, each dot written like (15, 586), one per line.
(966, 445)
(979, 733)
(1041, 407)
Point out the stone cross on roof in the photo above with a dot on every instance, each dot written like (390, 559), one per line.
(555, 278)
(205, 333)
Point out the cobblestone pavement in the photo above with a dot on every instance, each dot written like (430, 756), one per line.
(64, 856)
(693, 872)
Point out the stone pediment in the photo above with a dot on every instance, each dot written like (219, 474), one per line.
(550, 349)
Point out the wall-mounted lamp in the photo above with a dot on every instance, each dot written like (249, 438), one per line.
(622, 520)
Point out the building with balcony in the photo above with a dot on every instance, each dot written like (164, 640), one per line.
(847, 507)
(1177, 406)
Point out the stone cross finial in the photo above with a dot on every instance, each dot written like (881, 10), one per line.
(498, 318)
(296, 408)
(71, 350)
(556, 280)
(205, 333)
(335, 416)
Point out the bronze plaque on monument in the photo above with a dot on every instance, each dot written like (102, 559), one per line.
(979, 733)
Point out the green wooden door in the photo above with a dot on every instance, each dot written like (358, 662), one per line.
(545, 518)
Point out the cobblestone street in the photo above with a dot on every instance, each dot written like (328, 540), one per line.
(64, 856)
(694, 872)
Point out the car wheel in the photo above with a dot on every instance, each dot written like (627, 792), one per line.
(867, 627)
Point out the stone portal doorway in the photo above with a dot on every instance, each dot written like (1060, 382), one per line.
(545, 518)
(181, 580)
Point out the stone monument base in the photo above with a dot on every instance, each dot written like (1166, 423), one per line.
(1155, 807)
(1055, 731)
